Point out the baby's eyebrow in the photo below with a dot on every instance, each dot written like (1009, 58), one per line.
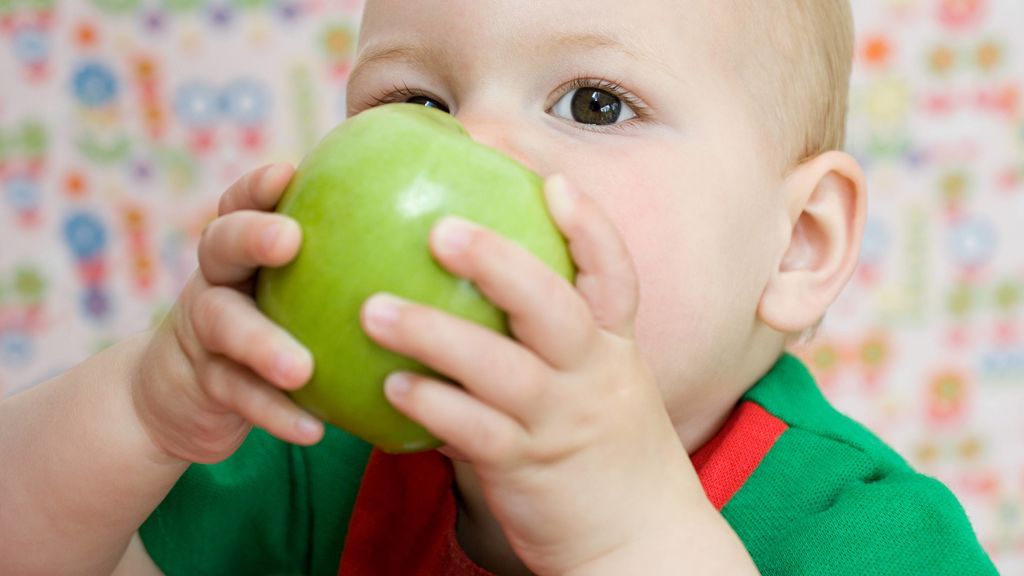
(378, 55)
(596, 40)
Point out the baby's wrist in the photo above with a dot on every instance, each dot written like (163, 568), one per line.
(145, 356)
(697, 542)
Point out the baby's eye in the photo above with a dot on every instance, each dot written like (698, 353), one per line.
(429, 103)
(592, 105)
(400, 93)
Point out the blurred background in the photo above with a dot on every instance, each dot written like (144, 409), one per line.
(121, 121)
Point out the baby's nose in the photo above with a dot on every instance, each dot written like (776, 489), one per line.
(505, 137)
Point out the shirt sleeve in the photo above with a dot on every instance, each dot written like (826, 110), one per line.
(271, 508)
(820, 506)
(905, 525)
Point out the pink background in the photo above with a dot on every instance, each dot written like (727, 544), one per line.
(121, 121)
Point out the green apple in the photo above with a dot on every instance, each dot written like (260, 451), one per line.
(366, 198)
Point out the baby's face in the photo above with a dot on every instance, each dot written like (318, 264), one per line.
(670, 150)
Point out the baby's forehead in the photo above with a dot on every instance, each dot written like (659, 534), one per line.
(662, 26)
(470, 39)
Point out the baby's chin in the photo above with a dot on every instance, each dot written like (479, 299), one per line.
(453, 453)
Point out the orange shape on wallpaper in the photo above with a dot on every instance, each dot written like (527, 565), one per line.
(989, 55)
(941, 59)
(876, 51)
(145, 69)
(947, 396)
(86, 35)
(75, 184)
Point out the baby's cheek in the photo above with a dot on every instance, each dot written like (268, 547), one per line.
(644, 195)
(676, 307)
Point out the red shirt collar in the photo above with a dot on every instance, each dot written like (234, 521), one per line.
(403, 522)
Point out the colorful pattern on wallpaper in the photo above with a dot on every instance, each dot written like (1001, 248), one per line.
(121, 121)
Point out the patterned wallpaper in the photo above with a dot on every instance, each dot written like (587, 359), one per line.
(121, 121)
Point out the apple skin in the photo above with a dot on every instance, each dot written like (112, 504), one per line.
(366, 198)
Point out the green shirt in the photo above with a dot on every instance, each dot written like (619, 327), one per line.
(825, 497)
(271, 508)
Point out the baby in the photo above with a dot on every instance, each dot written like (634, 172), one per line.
(645, 420)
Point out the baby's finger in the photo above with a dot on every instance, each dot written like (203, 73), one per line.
(258, 189)
(241, 391)
(605, 275)
(234, 246)
(481, 433)
(227, 322)
(491, 366)
(544, 311)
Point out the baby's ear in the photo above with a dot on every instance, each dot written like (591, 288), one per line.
(826, 205)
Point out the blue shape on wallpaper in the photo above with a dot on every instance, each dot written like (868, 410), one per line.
(289, 9)
(85, 235)
(875, 244)
(1008, 364)
(972, 241)
(246, 101)
(220, 14)
(196, 104)
(154, 20)
(22, 193)
(15, 348)
(94, 84)
(31, 45)
(96, 303)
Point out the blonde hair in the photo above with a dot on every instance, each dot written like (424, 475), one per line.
(793, 59)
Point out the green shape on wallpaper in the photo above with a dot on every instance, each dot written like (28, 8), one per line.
(34, 138)
(250, 4)
(179, 167)
(6, 146)
(960, 301)
(1007, 296)
(304, 105)
(29, 284)
(39, 5)
(101, 151)
(182, 5)
(116, 6)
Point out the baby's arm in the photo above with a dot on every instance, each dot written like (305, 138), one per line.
(89, 454)
(80, 472)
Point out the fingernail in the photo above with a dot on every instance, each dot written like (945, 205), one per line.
(382, 310)
(270, 234)
(307, 426)
(273, 173)
(289, 360)
(561, 195)
(453, 235)
(397, 384)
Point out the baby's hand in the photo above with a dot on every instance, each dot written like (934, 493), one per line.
(564, 425)
(217, 366)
